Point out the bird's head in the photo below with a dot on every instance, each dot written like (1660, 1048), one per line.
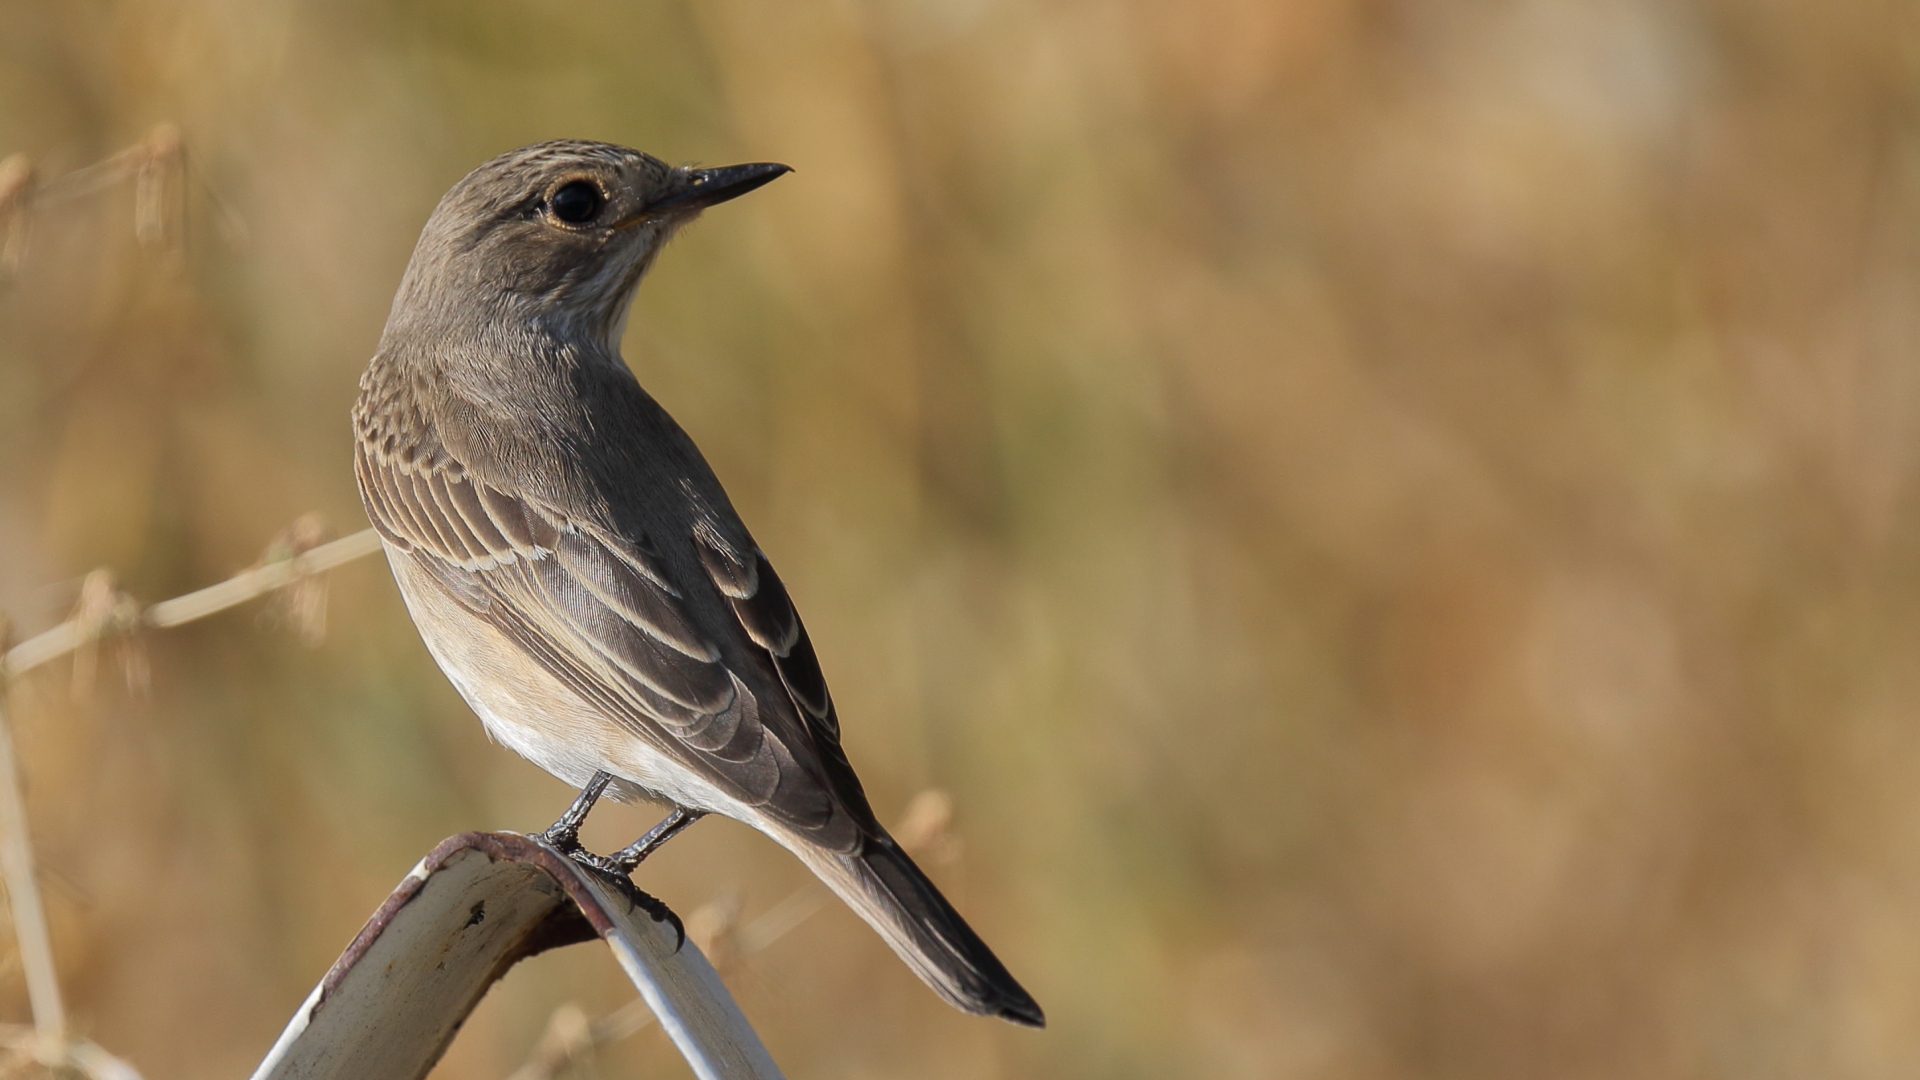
(556, 236)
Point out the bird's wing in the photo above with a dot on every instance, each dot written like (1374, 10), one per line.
(760, 602)
(602, 614)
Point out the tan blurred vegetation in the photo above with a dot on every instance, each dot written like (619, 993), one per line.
(1394, 520)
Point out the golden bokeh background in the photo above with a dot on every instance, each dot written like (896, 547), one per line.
(1396, 522)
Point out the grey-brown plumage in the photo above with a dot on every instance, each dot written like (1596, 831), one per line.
(572, 562)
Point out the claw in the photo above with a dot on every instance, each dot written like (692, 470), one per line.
(657, 908)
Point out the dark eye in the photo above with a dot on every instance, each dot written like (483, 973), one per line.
(576, 203)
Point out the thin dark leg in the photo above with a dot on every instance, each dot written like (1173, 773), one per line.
(633, 854)
(565, 833)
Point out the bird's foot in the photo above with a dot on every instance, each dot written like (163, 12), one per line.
(599, 864)
(613, 872)
(615, 869)
(615, 875)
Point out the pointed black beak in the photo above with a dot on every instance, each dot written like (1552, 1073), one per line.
(707, 187)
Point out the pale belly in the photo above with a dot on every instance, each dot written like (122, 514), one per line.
(533, 713)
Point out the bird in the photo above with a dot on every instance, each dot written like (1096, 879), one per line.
(576, 569)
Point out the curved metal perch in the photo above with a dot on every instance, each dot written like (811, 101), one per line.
(475, 906)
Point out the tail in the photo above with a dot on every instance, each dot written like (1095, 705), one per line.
(884, 887)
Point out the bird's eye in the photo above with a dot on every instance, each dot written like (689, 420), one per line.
(576, 203)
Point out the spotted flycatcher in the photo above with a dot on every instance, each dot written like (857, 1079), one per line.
(575, 567)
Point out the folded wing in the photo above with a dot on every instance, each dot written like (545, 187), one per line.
(602, 613)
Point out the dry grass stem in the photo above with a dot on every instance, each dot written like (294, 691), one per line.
(46, 1042)
(163, 177)
(16, 206)
(90, 623)
(23, 899)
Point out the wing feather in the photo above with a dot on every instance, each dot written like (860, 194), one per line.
(622, 586)
(465, 501)
(453, 494)
(759, 600)
(426, 506)
(402, 521)
(379, 508)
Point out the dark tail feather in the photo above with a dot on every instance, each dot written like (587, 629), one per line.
(884, 886)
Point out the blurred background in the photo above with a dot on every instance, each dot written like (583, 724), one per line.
(1393, 521)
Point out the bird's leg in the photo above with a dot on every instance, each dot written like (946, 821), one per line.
(565, 833)
(631, 856)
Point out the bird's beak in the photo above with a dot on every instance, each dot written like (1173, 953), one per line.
(706, 187)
